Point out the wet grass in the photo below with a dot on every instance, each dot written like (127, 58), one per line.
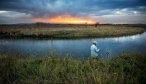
(99, 31)
(125, 69)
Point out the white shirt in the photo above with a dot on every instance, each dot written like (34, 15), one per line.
(94, 50)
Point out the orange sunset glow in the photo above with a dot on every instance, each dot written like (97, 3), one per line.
(65, 20)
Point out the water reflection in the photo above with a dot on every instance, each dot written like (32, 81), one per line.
(77, 48)
(119, 39)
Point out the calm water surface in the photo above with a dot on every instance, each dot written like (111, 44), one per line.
(110, 47)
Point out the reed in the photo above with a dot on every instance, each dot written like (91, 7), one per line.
(125, 69)
(71, 32)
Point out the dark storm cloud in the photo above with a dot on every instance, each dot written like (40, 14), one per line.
(13, 11)
(49, 8)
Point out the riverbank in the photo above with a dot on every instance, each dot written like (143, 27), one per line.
(125, 69)
(71, 32)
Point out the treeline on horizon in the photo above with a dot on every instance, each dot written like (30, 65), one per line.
(50, 25)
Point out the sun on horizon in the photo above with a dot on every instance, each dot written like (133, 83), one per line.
(65, 20)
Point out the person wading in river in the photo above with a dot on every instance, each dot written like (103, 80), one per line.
(94, 50)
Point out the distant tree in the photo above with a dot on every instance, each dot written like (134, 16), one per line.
(96, 24)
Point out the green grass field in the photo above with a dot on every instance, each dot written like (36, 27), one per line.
(73, 32)
(125, 69)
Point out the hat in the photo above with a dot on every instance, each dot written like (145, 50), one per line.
(94, 42)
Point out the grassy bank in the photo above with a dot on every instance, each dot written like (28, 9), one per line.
(126, 69)
(72, 32)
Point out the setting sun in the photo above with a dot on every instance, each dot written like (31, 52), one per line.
(64, 20)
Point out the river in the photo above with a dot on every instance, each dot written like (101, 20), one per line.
(77, 48)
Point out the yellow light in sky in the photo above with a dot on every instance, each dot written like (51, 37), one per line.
(65, 20)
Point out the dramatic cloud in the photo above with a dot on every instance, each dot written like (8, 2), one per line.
(101, 10)
(14, 17)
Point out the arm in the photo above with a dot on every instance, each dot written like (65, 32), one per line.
(96, 49)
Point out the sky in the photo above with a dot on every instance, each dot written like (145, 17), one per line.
(73, 11)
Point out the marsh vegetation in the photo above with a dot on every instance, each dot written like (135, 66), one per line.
(69, 31)
(125, 69)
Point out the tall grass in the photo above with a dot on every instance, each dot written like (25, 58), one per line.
(125, 69)
(100, 31)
